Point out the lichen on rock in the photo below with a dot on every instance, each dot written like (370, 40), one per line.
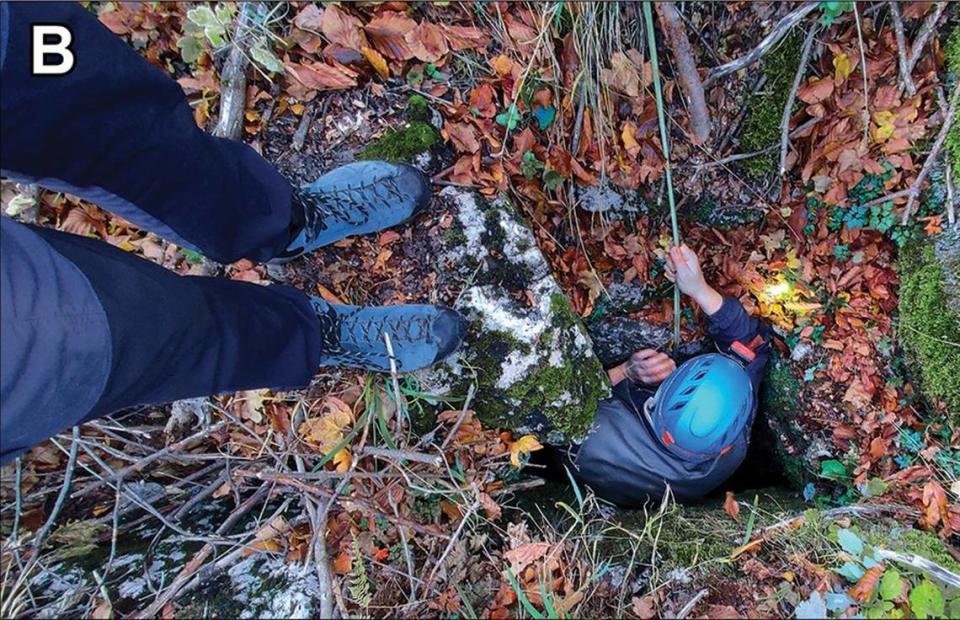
(526, 350)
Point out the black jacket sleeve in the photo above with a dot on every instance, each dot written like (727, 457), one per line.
(730, 324)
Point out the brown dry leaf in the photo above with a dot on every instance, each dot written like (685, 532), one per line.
(84, 220)
(326, 430)
(502, 65)
(321, 76)
(490, 506)
(643, 607)
(864, 588)
(427, 42)
(465, 37)
(525, 554)
(377, 60)
(463, 136)
(388, 32)
(309, 18)
(328, 295)
(815, 90)
(623, 75)
(342, 28)
(483, 100)
(523, 446)
(629, 137)
(935, 504)
(252, 404)
(342, 563)
(731, 507)
(223, 490)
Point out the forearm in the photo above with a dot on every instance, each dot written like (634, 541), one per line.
(708, 299)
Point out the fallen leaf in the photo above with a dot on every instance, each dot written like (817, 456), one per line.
(865, 587)
(342, 28)
(427, 42)
(525, 554)
(730, 506)
(342, 563)
(309, 18)
(643, 607)
(490, 506)
(326, 430)
(815, 90)
(378, 62)
(523, 446)
(463, 136)
(321, 76)
(502, 65)
(465, 37)
(841, 68)
(388, 32)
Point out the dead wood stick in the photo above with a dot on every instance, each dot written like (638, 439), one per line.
(691, 604)
(168, 452)
(233, 85)
(915, 561)
(326, 493)
(197, 561)
(779, 31)
(906, 81)
(686, 73)
(928, 28)
(917, 184)
(402, 455)
(951, 203)
(300, 135)
(785, 122)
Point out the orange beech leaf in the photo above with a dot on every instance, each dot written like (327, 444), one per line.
(342, 28)
(388, 31)
(867, 584)
(730, 506)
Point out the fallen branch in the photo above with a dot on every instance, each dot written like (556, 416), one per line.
(917, 184)
(920, 563)
(779, 31)
(906, 81)
(233, 86)
(785, 122)
(691, 604)
(686, 70)
(928, 28)
(403, 455)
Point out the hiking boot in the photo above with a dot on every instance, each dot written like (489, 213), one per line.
(420, 335)
(355, 199)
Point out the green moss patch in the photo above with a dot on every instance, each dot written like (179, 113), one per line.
(952, 53)
(761, 128)
(402, 144)
(929, 331)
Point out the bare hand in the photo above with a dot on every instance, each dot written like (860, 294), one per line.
(649, 367)
(683, 267)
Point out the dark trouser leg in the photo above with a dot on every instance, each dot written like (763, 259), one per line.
(89, 329)
(117, 131)
(178, 337)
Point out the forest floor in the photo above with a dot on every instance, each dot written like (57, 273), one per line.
(552, 105)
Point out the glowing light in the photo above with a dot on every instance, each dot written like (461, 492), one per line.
(779, 289)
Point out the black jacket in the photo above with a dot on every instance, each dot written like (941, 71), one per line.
(624, 462)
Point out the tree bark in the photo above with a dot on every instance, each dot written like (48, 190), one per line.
(687, 73)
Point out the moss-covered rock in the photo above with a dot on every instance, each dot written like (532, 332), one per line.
(952, 54)
(403, 144)
(930, 316)
(761, 127)
(417, 109)
(526, 350)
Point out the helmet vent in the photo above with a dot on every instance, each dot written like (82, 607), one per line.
(678, 406)
(700, 375)
(688, 391)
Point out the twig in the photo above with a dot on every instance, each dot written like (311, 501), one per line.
(406, 551)
(934, 152)
(779, 31)
(403, 455)
(951, 205)
(18, 501)
(395, 381)
(691, 604)
(463, 414)
(906, 80)
(863, 71)
(300, 135)
(915, 561)
(801, 71)
(738, 156)
(183, 444)
(233, 85)
(58, 505)
(686, 70)
(928, 28)
(453, 540)
(196, 562)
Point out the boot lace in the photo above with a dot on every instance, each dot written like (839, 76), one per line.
(351, 204)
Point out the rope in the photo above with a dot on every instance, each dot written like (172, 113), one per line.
(665, 145)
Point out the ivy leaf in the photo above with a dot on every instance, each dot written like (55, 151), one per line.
(509, 118)
(850, 571)
(813, 607)
(850, 542)
(832, 470)
(266, 59)
(891, 585)
(190, 49)
(203, 16)
(544, 115)
(926, 601)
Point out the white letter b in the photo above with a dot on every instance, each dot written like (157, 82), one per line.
(44, 48)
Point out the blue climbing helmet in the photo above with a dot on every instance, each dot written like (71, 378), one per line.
(702, 407)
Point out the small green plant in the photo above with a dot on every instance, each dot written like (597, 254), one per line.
(359, 583)
(210, 28)
(530, 166)
(510, 117)
(831, 10)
